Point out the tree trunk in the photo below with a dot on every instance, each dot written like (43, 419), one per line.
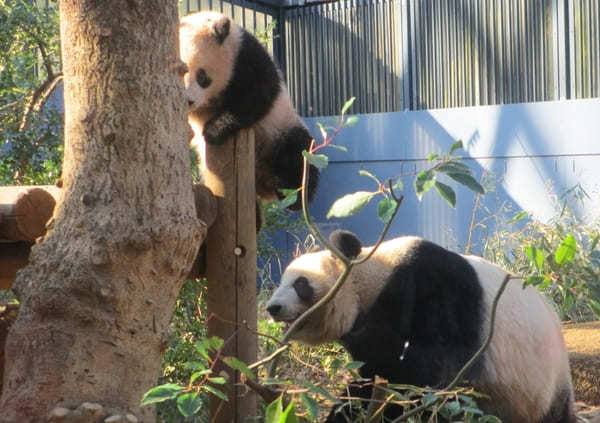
(97, 297)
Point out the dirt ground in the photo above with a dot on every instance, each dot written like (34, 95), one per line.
(583, 344)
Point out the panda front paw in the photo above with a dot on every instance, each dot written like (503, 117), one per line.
(213, 136)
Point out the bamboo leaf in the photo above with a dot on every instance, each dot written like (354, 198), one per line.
(519, 216)
(566, 251)
(457, 145)
(536, 256)
(311, 406)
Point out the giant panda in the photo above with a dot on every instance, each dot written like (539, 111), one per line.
(233, 83)
(415, 312)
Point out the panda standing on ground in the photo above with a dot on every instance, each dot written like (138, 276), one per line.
(232, 83)
(413, 291)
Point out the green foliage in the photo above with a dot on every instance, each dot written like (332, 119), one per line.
(450, 166)
(31, 126)
(560, 256)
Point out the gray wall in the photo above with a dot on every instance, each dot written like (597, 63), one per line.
(530, 147)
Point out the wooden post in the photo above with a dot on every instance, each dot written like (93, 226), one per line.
(231, 266)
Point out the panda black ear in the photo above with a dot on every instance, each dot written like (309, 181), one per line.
(346, 242)
(221, 28)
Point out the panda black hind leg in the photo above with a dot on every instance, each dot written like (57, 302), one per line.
(284, 160)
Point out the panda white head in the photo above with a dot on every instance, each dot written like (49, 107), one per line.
(218, 39)
(306, 280)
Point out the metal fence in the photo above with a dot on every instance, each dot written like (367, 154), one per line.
(423, 54)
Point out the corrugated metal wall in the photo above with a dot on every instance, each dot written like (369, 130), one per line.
(423, 54)
(255, 17)
(343, 49)
(584, 40)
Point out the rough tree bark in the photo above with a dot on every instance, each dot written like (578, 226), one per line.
(98, 294)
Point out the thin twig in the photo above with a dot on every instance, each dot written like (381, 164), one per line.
(269, 357)
(348, 264)
(469, 363)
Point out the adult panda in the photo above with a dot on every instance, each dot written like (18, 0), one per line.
(232, 83)
(414, 291)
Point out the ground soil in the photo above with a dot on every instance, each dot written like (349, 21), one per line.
(583, 344)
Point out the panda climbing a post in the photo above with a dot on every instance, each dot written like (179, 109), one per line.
(232, 83)
(415, 313)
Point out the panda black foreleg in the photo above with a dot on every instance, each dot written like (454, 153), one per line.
(220, 128)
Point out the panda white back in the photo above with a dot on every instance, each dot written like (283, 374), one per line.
(527, 362)
(422, 311)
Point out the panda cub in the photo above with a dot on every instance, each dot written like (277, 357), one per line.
(415, 313)
(232, 83)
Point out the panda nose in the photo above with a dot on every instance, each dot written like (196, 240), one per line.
(274, 309)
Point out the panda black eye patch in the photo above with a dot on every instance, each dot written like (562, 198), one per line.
(202, 78)
(303, 289)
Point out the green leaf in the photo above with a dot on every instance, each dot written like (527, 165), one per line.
(196, 375)
(385, 209)
(468, 181)
(219, 380)
(534, 280)
(322, 130)
(189, 404)
(214, 342)
(566, 251)
(446, 192)
(424, 182)
(290, 196)
(319, 391)
(398, 185)
(353, 365)
(536, 256)
(351, 121)
(457, 145)
(519, 216)
(240, 366)
(274, 411)
(453, 166)
(161, 393)
(311, 406)
(196, 365)
(347, 105)
(350, 204)
(338, 147)
(595, 307)
(320, 161)
(368, 174)
(289, 415)
(432, 156)
(216, 392)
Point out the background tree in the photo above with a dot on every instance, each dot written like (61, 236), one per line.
(97, 296)
(31, 124)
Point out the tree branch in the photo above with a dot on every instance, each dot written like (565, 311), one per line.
(39, 97)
